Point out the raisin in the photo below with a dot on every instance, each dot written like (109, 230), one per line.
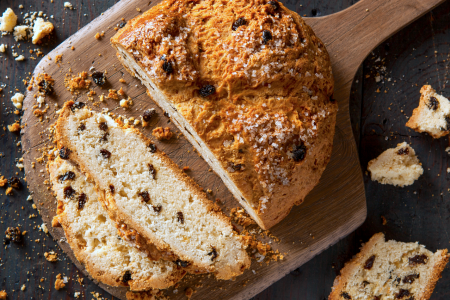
(180, 217)
(126, 277)
(207, 90)
(299, 153)
(332, 100)
(213, 253)
(148, 114)
(365, 283)
(13, 234)
(152, 147)
(103, 126)
(152, 171)
(122, 24)
(145, 196)
(68, 192)
(239, 22)
(182, 263)
(104, 137)
(14, 182)
(81, 201)
(105, 153)
(64, 153)
(99, 78)
(112, 188)
(418, 259)
(345, 295)
(77, 105)
(167, 67)
(266, 36)
(81, 127)
(45, 87)
(157, 208)
(274, 5)
(410, 278)
(402, 293)
(433, 104)
(369, 262)
(403, 151)
(166, 114)
(236, 167)
(69, 175)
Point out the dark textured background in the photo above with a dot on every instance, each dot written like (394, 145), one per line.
(417, 55)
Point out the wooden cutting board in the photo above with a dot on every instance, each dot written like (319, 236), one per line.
(335, 208)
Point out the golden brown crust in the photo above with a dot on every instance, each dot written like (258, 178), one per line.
(281, 85)
(98, 273)
(118, 216)
(436, 274)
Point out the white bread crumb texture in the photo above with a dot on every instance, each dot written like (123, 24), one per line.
(396, 166)
(94, 235)
(390, 270)
(8, 20)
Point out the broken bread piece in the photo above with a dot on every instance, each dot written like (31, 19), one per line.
(244, 90)
(390, 270)
(397, 166)
(433, 114)
(94, 240)
(142, 189)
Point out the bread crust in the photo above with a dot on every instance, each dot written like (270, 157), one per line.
(208, 51)
(118, 216)
(97, 272)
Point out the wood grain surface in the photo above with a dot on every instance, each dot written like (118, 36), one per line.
(312, 281)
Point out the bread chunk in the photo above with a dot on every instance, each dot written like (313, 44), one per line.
(143, 189)
(433, 114)
(397, 166)
(390, 270)
(8, 20)
(249, 85)
(94, 240)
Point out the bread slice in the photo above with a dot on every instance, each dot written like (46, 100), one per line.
(249, 85)
(397, 166)
(94, 240)
(433, 114)
(143, 189)
(390, 270)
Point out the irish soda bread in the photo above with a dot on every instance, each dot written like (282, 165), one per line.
(143, 189)
(397, 166)
(249, 85)
(94, 240)
(432, 115)
(388, 271)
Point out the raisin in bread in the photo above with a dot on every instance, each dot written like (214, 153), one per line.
(94, 240)
(143, 189)
(397, 166)
(390, 270)
(249, 85)
(432, 115)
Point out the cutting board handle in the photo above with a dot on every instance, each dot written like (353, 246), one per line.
(350, 35)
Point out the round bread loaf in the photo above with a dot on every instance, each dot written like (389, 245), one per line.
(250, 86)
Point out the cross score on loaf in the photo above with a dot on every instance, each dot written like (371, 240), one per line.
(249, 85)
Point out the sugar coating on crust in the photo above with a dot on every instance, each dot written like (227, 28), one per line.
(390, 270)
(93, 236)
(144, 189)
(432, 115)
(397, 166)
(251, 81)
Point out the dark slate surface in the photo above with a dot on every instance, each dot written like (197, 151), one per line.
(417, 55)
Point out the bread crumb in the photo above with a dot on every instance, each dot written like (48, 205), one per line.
(20, 32)
(122, 80)
(20, 58)
(3, 295)
(58, 58)
(23, 287)
(41, 29)
(97, 36)
(17, 100)
(51, 256)
(124, 103)
(59, 283)
(162, 133)
(3, 181)
(383, 220)
(14, 127)
(8, 20)
(3, 48)
(68, 5)
(189, 292)
(185, 168)
(112, 94)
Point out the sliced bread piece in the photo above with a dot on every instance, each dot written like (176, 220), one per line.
(94, 240)
(432, 115)
(397, 166)
(249, 84)
(390, 270)
(143, 189)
